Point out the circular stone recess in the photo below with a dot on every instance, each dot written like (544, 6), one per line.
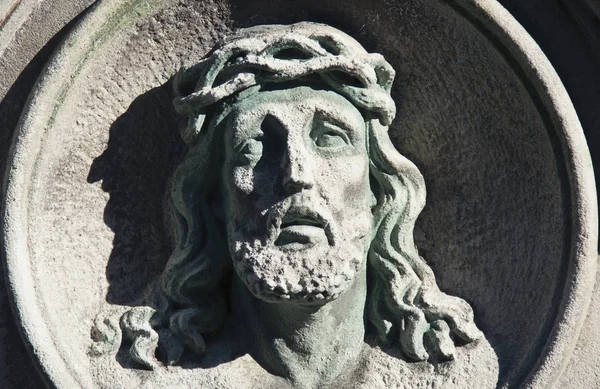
(510, 223)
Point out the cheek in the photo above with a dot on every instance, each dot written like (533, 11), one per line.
(249, 188)
(346, 182)
(241, 179)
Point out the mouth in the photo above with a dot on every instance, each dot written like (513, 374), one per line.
(301, 228)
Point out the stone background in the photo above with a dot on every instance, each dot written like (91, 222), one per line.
(567, 30)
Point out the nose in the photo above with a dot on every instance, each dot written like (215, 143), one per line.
(297, 174)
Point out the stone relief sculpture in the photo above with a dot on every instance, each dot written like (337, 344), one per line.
(292, 259)
(292, 215)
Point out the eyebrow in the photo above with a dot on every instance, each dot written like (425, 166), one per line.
(335, 119)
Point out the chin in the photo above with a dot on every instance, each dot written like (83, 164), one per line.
(299, 274)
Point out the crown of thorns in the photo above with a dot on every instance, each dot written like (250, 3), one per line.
(279, 53)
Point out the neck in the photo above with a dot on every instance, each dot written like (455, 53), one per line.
(309, 344)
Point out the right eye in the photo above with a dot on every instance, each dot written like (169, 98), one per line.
(253, 147)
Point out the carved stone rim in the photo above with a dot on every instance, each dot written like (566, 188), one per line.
(556, 104)
(489, 16)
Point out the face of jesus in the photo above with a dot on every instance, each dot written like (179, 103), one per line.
(297, 195)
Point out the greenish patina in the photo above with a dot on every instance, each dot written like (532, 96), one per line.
(293, 205)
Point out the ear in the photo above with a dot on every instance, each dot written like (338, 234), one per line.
(374, 192)
(214, 205)
(372, 201)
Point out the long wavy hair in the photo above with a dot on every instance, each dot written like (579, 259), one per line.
(405, 307)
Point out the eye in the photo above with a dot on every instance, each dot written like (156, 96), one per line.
(329, 135)
(252, 147)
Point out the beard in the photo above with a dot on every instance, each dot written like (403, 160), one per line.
(312, 273)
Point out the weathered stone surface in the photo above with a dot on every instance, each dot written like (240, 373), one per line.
(119, 161)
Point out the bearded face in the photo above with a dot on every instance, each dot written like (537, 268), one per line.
(297, 194)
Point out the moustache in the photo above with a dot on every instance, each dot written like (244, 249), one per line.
(304, 209)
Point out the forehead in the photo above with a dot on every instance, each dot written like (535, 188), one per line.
(297, 106)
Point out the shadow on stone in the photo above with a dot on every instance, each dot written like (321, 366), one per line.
(143, 149)
(349, 18)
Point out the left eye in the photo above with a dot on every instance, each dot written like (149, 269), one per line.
(330, 136)
(330, 139)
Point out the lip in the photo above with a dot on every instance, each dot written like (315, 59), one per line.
(296, 220)
(301, 227)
